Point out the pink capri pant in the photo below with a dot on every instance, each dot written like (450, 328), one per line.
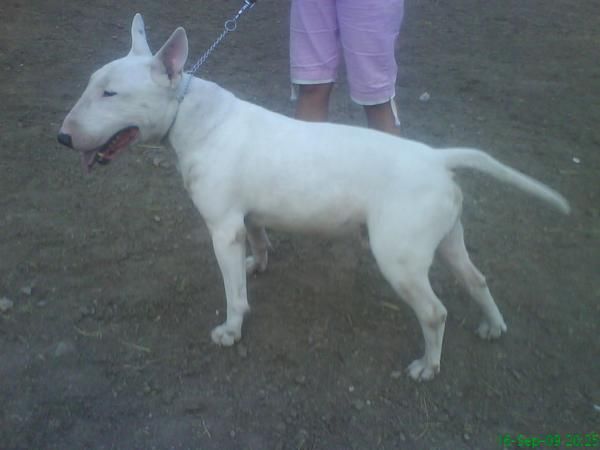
(363, 32)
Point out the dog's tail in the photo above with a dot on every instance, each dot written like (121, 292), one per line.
(475, 159)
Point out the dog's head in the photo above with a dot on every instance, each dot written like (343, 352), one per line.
(131, 99)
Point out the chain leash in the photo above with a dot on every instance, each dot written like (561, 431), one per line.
(229, 26)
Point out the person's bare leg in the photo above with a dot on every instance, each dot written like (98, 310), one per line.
(381, 117)
(313, 102)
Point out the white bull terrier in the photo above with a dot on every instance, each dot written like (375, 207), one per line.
(247, 168)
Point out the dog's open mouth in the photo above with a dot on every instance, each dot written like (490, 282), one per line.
(106, 152)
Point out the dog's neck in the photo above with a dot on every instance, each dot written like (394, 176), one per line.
(182, 90)
(202, 99)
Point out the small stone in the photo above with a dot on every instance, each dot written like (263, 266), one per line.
(301, 438)
(6, 304)
(425, 97)
(54, 424)
(467, 431)
(597, 408)
(157, 219)
(27, 290)
(396, 374)
(358, 404)
(300, 379)
(86, 311)
(64, 348)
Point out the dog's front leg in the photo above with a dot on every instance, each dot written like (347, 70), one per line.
(229, 242)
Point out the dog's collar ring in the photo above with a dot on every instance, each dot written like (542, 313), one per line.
(231, 25)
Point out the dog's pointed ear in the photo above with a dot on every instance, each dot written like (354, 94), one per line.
(167, 67)
(139, 44)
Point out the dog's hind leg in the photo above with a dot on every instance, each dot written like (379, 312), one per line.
(229, 242)
(409, 278)
(259, 245)
(431, 313)
(453, 251)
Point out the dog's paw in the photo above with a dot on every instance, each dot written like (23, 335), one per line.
(488, 331)
(420, 370)
(225, 335)
(253, 266)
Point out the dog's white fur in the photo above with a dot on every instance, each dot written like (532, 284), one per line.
(247, 168)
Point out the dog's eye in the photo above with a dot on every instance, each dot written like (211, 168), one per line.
(109, 94)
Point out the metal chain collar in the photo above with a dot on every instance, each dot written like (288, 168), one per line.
(229, 26)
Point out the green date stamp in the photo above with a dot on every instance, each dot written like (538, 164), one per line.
(567, 440)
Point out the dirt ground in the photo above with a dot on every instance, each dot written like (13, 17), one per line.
(115, 289)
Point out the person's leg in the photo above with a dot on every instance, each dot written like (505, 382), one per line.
(314, 56)
(313, 102)
(368, 33)
(382, 117)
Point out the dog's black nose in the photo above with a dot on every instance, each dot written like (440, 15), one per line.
(65, 139)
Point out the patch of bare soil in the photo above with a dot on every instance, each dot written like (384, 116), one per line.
(114, 287)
